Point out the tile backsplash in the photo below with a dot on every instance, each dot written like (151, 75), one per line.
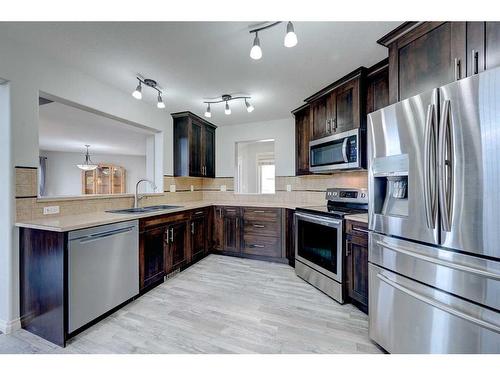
(304, 190)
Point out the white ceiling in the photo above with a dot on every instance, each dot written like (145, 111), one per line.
(194, 61)
(64, 128)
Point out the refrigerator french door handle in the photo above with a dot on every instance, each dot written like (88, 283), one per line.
(439, 305)
(445, 179)
(430, 194)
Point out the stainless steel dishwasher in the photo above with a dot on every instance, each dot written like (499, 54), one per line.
(103, 270)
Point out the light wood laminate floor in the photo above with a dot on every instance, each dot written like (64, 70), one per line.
(220, 305)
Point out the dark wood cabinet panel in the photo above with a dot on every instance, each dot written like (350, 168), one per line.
(209, 152)
(196, 150)
(377, 87)
(194, 146)
(260, 245)
(177, 249)
(302, 138)
(290, 236)
(232, 229)
(151, 253)
(356, 248)
(346, 107)
(218, 229)
(199, 232)
(318, 120)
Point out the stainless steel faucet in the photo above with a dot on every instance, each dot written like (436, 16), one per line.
(137, 198)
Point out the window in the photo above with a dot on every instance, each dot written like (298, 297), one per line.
(255, 167)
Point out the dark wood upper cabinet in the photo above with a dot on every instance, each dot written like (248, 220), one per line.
(302, 138)
(426, 55)
(194, 146)
(338, 107)
(377, 86)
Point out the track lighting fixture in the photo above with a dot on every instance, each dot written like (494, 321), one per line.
(226, 99)
(207, 112)
(290, 37)
(289, 41)
(150, 83)
(256, 51)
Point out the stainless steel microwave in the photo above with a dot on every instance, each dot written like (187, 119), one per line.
(337, 152)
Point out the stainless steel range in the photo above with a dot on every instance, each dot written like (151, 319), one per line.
(319, 239)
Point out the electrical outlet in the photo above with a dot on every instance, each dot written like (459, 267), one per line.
(192, 188)
(51, 210)
(172, 188)
(288, 187)
(223, 188)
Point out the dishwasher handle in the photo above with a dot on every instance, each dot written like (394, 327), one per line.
(101, 235)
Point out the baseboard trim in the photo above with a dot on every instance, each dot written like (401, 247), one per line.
(10, 326)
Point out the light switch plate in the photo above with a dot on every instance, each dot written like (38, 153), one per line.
(51, 210)
(172, 188)
(192, 188)
(223, 188)
(288, 187)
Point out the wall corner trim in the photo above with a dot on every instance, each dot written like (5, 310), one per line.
(10, 326)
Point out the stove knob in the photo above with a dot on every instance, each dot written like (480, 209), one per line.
(363, 195)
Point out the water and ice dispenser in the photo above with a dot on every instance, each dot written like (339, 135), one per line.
(391, 185)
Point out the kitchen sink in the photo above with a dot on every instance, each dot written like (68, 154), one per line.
(144, 209)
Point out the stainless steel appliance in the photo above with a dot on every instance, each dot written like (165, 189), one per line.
(319, 233)
(434, 253)
(338, 151)
(103, 270)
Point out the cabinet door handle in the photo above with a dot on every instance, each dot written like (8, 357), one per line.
(167, 236)
(334, 123)
(220, 213)
(259, 211)
(326, 126)
(257, 246)
(259, 226)
(192, 228)
(171, 235)
(457, 69)
(475, 62)
(347, 247)
(358, 229)
(198, 212)
(237, 221)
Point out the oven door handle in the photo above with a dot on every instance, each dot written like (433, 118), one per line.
(319, 220)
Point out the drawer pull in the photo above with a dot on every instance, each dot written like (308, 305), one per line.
(439, 305)
(230, 210)
(258, 246)
(259, 226)
(260, 212)
(198, 212)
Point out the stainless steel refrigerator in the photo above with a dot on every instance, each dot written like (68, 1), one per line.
(434, 213)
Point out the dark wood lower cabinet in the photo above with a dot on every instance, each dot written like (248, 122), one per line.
(199, 235)
(231, 229)
(151, 256)
(177, 250)
(356, 248)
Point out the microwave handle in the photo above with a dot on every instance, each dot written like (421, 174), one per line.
(344, 150)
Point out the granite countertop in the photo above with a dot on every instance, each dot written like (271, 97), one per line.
(362, 218)
(72, 222)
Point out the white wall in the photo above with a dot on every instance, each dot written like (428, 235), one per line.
(282, 131)
(29, 71)
(64, 178)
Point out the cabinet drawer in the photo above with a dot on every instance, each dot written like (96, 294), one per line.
(258, 214)
(230, 211)
(261, 245)
(262, 228)
(356, 228)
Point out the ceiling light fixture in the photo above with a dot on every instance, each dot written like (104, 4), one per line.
(289, 41)
(87, 165)
(226, 98)
(149, 83)
(160, 103)
(256, 51)
(207, 112)
(250, 107)
(290, 37)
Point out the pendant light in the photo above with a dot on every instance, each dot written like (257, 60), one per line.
(290, 37)
(87, 165)
(207, 112)
(160, 103)
(138, 92)
(249, 106)
(256, 51)
(227, 111)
